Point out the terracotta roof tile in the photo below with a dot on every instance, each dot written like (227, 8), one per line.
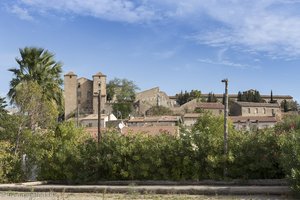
(236, 119)
(155, 119)
(210, 105)
(253, 104)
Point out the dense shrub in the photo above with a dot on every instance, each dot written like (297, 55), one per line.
(70, 154)
(290, 158)
(256, 155)
(8, 162)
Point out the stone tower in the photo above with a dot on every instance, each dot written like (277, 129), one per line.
(70, 94)
(99, 83)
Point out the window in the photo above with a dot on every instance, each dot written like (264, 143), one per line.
(265, 111)
(249, 110)
(256, 110)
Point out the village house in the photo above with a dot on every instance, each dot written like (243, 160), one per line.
(153, 125)
(233, 97)
(255, 109)
(155, 121)
(253, 122)
(92, 120)
(190, 119)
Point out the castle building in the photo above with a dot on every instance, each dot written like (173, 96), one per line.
(81, 94)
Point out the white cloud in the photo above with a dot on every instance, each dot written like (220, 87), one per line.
(115, 10)
(270, 27)
(225, 63)
(22, 13)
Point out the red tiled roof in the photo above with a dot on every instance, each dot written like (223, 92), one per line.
(210, 106)
(191, 115)
(236, 119)
(253, 104)
(156, 119)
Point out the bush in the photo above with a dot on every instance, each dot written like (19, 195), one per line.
(8, 163)
(290, 158)
(256, 155)
(68, 153)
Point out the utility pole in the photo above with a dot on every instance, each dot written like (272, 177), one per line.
(225, 125)
(99, 113)
(77, 112)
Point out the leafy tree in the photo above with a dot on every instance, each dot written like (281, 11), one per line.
(185, 97)
(122, 90)
(285, 106)
(289, 106)
(250, 96)
(159, 110)
(123, 109)
(122, 93)
(38, 72)
(195, 94)
(290, 158)
(38, 111)
(211, 97)
(182, 98)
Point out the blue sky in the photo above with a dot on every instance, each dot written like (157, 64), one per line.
(176, 45)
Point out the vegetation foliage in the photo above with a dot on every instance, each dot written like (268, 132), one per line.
(158, 111)
(185, 97)
(250, 96)
(121, 93)
(68, 153)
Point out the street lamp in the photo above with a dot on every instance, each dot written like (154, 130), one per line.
(225, 125)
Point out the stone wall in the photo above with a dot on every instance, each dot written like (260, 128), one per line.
(152, 97)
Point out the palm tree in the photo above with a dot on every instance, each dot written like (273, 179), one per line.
(37, 65)
(2, 106)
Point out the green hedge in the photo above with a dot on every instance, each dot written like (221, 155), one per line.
(70, 154)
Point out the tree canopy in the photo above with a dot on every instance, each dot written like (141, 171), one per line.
(211, 98)
(35, 87)
(250, 96)
(121, 92)
(159, 110)
(182, 98)
(37, 65)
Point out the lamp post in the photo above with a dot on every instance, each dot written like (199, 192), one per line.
(99, 112)
(225, 125)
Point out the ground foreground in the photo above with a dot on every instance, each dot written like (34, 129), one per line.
(6, 195)
(145, 190)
